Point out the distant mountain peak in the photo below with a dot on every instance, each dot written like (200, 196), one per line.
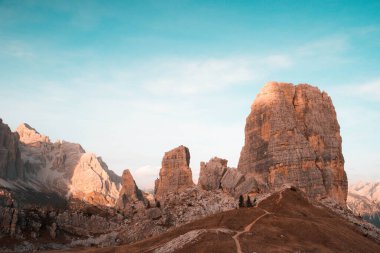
(30, 135)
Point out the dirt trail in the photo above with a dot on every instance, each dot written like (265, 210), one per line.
(235, 237)
(246, 229)
(280, 197)
(173, 246)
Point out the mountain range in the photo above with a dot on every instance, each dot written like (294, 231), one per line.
(364, 200)
(55, 195)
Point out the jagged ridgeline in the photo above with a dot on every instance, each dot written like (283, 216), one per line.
(35, 163)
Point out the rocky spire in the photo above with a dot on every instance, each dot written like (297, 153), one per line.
(175, 174)
(129, 192)
(292, 136)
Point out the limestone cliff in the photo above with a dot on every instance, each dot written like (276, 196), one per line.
(10, 158)
(292, 136)
(66, 168)
(175, 173)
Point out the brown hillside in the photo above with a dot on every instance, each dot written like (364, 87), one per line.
(284, 222)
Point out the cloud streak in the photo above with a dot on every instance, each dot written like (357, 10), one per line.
(16, 49)
(194, 76)
(369, 90)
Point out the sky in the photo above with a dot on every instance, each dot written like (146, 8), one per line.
(130, 80)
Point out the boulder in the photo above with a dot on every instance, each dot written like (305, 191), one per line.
(154, 213)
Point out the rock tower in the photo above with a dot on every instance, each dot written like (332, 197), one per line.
(292, 136)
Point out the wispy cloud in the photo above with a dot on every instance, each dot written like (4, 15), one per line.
(16, 49)
(199, 76)
(278, 61)
(193, 76)
(370, 90)
(331, 45)
(174, 76)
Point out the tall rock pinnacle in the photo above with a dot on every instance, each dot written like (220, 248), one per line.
(129, 191)
(292, 136)
(175, 174)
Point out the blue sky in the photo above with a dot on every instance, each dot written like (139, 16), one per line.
(130, 80)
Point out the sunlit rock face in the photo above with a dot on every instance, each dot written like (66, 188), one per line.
(29, 136)
(364, 200)
(10, 159)
(292, 136)
(66, 168)
(175, 174)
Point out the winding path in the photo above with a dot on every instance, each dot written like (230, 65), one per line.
(249, 226)
(180, 241)
(192, 235)
(246, 229)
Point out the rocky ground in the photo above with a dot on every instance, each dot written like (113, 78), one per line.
(286, 221)
(78, 224)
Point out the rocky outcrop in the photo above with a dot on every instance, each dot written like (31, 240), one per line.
(129, 192)
(216, 175)
(63, 227)
(211, 173)
(65, 168)
(175, 174)
(231, 179)
(177, 208)
(194, 203)
(82, 224)
(292, 136)
(10, 158)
